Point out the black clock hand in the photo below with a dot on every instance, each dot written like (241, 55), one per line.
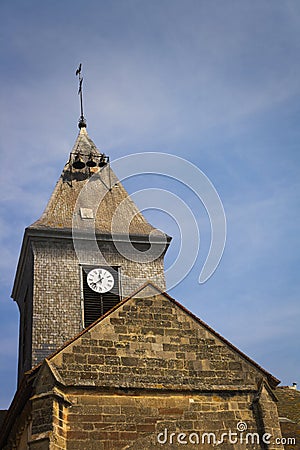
(99, 279)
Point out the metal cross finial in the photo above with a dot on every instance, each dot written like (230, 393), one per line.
(82, 121)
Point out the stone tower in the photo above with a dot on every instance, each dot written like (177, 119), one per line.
(80, 258)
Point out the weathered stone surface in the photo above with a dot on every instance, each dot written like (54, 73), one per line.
(163, 347)
(289, 415)
(137, 420)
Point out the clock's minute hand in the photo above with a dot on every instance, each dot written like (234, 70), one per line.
(99, 279)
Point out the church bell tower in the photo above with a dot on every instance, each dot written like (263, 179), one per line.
(91, 248)
(117, 373)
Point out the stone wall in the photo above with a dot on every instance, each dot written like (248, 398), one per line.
(148, 375)
(89, 419)
(146, 421)
(151, 342)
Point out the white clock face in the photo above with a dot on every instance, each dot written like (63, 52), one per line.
(100, 280)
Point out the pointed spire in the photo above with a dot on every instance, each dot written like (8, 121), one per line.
(62, 205)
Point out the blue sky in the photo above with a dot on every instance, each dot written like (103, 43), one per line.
(216, 83)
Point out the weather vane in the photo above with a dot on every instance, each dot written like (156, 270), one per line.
(82, 121)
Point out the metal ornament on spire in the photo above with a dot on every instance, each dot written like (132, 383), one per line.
(82, 121)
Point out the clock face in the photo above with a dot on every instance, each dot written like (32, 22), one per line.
(100, 280)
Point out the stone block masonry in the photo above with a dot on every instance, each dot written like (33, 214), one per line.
(150, 375)
(137, 421)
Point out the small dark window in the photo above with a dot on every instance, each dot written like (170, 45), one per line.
(96, 303)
